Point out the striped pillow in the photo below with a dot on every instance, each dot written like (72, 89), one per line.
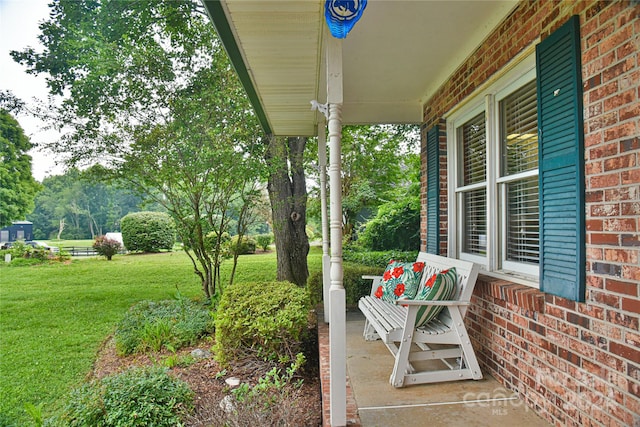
(440, 287)
(400, 279)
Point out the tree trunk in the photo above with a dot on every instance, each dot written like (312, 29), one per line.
(288, 196)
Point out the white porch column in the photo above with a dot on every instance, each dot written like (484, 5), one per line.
(337, 321)
(326, 259)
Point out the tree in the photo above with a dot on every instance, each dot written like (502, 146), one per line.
(288, 195)
(18, 188)
(148, 93)
(76, 205)
(376, 161)
(106, 247)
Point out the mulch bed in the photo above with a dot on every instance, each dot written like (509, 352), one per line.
(299, 406)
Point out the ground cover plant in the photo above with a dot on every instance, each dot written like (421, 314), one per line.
(137, 397)
(173, 324)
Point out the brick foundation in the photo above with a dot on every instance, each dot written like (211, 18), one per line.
(352, 410)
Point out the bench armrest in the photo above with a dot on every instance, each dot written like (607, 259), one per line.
(376, 280)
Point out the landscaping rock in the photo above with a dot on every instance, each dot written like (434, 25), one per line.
(199, 353)
(232, 381)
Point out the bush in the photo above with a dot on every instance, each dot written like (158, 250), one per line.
(148, 231)
(377, 258)
(396, 226)
(247, 245)
(355, 286)
(106, 247)
(264, 240)
(137, 397)
(264, 319)
(152, 325)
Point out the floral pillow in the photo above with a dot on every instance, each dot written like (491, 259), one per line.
(400, 279)
(440, 287)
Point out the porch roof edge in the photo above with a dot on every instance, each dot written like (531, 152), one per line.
(218, 18)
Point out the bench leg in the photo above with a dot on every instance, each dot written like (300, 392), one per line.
(370, 333)
(402, 365)
(469, 356)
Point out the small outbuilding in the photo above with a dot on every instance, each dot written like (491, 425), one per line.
(18, 230)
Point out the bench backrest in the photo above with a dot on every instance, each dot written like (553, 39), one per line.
(467, 274)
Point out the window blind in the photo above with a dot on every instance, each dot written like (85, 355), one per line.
(474, 149)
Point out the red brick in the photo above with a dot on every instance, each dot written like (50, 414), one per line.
(604, 181)
(569, 356)
(605, 298)
(622, 319)
(622, 193)
(631, 304)
(624, 351)
(619, 224)
(630, 208)
(620, 162)
(632, 144)
(630, 177)
(618, 69)
(621, 287)
(601, 122)
(612, 362)
(594, 282)
(621, 255)
(604, 239)
(616, 38)
(593, 139)
(594, 224)
(593, 368)
(592, 311)
(630, 240)
(632, 338)
(622, 130)
(594, 196)
(629, 112)
(594, 254)
(605, 90)
(605, 210)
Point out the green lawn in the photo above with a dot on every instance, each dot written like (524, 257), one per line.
(54, 317)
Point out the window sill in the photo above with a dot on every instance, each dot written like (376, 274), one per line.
(525, 297)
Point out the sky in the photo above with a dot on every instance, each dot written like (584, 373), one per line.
(19, 20)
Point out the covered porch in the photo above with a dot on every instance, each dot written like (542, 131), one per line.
(395, 59)
(371, 401)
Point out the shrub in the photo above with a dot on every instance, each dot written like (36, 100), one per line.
(355, 286)
(106, 247)
(264, 240)
(148, 231)
(247, 245)
(137, 397)
(266, 319)
(396, 226)
(377, 258)
(152, 325)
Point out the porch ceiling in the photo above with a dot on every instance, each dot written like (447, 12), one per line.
(394, 59)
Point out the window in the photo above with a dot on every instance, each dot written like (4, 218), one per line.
(494, 142)
(515, 168)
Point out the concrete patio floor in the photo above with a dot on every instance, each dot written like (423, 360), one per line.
(372, 401)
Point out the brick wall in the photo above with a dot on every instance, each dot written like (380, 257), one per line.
(574, 363)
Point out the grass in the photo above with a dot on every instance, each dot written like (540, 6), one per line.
(54, 317)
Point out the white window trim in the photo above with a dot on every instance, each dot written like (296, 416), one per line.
(486, 99)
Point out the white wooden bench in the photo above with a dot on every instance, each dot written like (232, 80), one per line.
(444, 338)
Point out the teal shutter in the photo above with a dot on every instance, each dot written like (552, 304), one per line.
(433, 191)
(561, 163)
